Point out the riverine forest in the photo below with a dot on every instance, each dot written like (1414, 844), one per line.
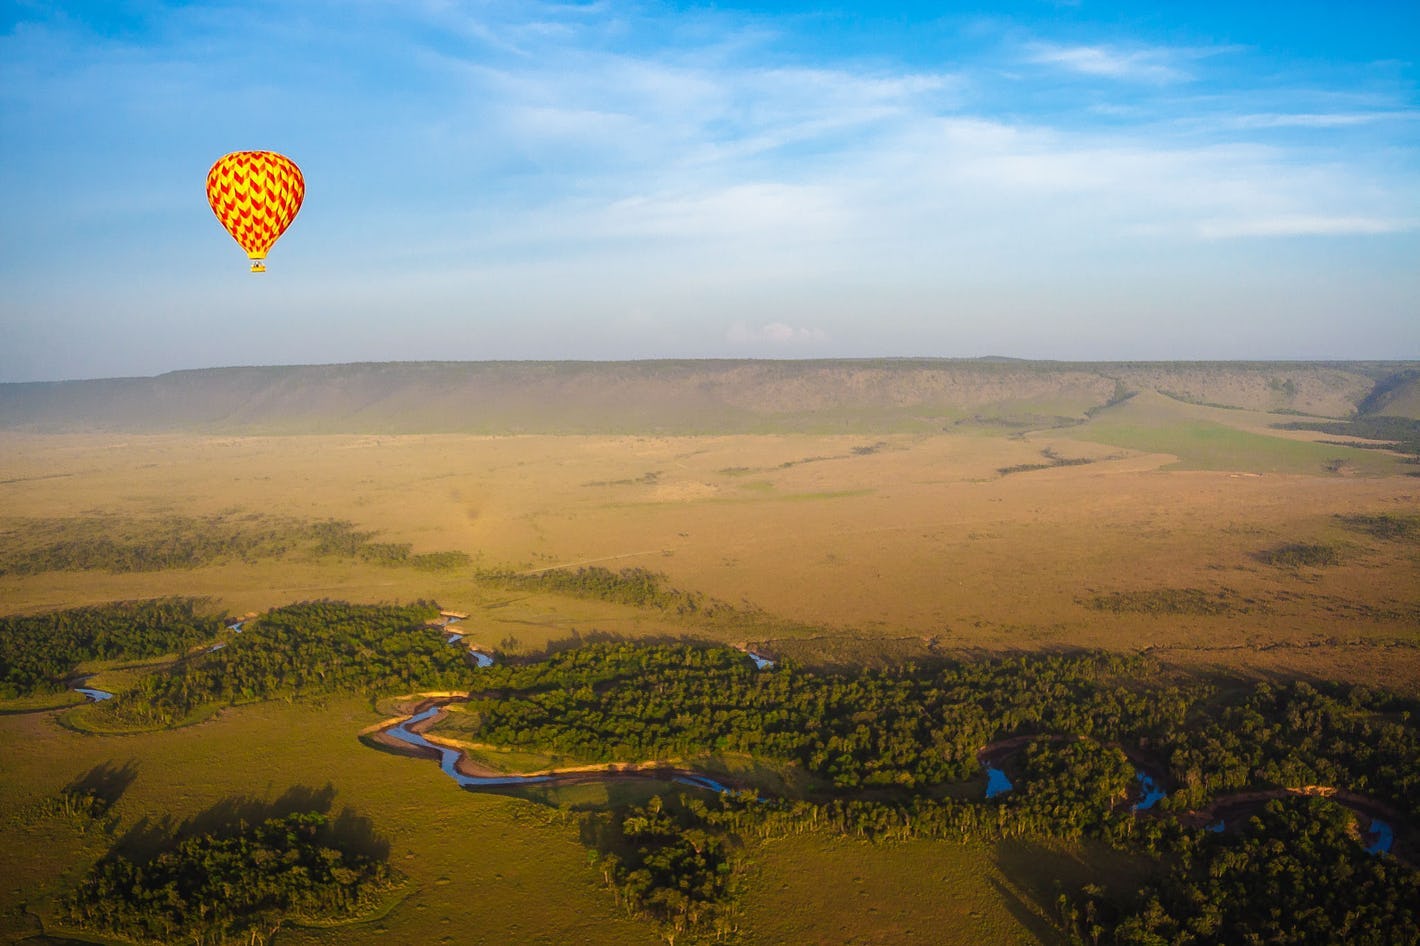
(867, 652)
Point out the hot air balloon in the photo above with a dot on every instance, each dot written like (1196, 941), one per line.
(255, 195)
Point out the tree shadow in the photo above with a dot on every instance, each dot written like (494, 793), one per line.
(355, 833)
(230, 817)
(105, 782)
(1026, 913)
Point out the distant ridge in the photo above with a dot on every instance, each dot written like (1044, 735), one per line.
(683, 396)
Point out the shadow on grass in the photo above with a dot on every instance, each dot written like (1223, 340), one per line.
(105, 782)
(348, 831)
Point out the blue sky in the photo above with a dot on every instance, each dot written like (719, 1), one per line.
(630, 180)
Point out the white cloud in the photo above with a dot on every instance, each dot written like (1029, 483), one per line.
(1147, 64)
(775, 333)
(532, 160)
(1320, 119)
(1288, 225)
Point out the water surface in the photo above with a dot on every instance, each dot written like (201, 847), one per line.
(1384, 836)
(1150, 792)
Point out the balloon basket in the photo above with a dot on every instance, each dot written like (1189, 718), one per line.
(258, 267)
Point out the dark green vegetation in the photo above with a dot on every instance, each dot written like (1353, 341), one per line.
(894, 728)
(301, 650)
(638, 587)
(1401, 434)
(39, 653)
(106, 543)
(240, 888)
(1294, 875)
(1053, 460)
(668, 863)
(912, 730)
(1299, 554)
(1384, 526)
(883, 749)
(883, 756)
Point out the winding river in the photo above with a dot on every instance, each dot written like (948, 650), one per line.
(1379, 837)
(449, 758)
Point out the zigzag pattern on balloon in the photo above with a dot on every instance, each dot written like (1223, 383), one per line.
(255, 195)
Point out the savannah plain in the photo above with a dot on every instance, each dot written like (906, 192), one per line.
(839, 514)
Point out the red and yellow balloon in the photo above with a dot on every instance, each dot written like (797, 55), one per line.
(255, 195)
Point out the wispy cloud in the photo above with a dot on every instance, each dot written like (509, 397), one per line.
(1143, 64)
(1321, 119)
(775, 333)
(547, 159)
(1294, 225)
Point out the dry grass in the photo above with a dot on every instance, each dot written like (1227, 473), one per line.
(917, 537)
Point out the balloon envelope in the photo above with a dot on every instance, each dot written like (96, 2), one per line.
(255, 195)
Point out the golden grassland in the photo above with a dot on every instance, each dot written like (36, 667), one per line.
(825, 538)
(830, 548)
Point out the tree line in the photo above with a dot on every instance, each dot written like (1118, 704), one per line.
(909, 728)
(638, 587)
(882, 744)
(105, 543)
(39, 653)
(306, 649)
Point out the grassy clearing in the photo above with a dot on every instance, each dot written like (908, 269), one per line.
(814, 890)
(494, 868)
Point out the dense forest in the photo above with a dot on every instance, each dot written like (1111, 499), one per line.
(300, 650)
(212, 890)
(39, 653)
(913, 728)
(884, 748)
(1293, 875)
(667, 862)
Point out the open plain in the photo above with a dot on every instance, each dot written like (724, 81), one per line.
(1057, 510)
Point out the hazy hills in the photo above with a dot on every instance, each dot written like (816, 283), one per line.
(687, 396)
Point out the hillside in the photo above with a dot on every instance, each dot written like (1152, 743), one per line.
(686, 396)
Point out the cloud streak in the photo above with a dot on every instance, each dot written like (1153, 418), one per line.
(1157, 64)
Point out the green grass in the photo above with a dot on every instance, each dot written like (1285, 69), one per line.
(1203, 445)
(497, 869)
(41, 701)
(811, 890)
